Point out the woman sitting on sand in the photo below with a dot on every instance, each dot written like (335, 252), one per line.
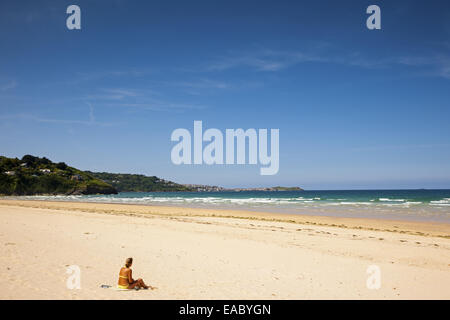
(126, 280)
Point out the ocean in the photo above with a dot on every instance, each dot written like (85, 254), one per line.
(418, 205)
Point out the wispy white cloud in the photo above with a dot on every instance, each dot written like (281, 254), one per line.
(81, 77)
(123, 92)
(272, 61)
(91, 113)
(31, 117)
(202, 83)
(8, 86)
(400, 147)
(263, 60)
(442, 65)
(158, 105)
(269, 60)
(435, 65)
(113, 94)
(140, 99)
(198, 86)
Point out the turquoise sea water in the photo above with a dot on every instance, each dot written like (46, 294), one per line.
(427, 205)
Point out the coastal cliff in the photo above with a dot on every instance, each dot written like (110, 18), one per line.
(125, 182)
(33, 176)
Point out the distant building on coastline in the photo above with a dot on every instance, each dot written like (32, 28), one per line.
(204, 188)
(76, 177)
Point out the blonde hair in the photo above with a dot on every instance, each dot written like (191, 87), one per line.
(128, 262)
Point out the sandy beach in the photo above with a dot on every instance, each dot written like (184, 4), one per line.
(215, 254)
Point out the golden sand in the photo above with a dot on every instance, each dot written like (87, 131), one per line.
(215, 254)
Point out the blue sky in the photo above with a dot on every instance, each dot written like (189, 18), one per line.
(356, 108)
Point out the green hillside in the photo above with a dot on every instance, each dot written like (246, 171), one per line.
(33, 175)
(138, 182)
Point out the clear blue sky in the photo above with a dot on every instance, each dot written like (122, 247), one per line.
(355, 108)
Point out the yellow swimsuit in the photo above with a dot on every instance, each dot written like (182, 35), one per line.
(119, 286)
